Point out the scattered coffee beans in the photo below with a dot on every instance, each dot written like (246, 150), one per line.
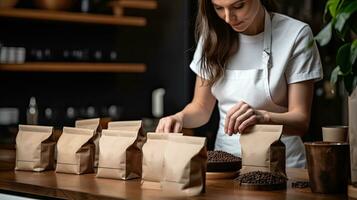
(261, 178)
(220, 161)
(300, 184)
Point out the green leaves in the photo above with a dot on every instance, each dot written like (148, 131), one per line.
(331, 7)
(343, 59)
(346, 61)
(334, 75)
(324, 35)
(350, 83)
(341, 15)
(340, 12)
(354, 52)
(344, 15)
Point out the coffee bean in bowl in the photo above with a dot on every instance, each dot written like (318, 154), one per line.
(220, 161)
(258, 180)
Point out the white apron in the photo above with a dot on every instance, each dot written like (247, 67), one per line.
(252, 87)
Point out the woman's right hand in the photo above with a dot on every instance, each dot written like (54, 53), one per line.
(170, 124)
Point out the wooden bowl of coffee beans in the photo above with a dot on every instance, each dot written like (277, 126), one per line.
(220, 161)
(222, 165)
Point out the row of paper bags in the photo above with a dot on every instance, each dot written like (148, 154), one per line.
(123, 151)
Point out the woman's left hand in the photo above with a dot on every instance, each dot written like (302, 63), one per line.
(241, 116)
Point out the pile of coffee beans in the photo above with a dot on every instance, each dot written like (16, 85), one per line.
(261, 178)
(300, 184)
(221, 156)
(220, 161)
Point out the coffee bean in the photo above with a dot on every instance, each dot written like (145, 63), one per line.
(220, 161)
(261, 178)
(221, 156)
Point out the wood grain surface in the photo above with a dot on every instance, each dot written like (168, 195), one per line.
(87, 186)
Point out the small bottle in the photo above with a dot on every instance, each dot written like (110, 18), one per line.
(32, 112)
(113, 56)
(98, 56)
(85, 6)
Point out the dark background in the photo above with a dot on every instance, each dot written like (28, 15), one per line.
(165, 45)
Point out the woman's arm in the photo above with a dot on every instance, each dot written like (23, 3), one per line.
(195, 114)
(295, 121)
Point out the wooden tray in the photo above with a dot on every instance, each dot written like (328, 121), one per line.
(221, 175)
(248, 186)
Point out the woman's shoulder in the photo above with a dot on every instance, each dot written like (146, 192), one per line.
(279, 19)
(289, 27)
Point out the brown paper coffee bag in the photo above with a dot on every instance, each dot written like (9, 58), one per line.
(75, 151)
(135, 125)
(262, 149)
(120, 154)
(93, 124)
(185, 163)
(153, 159)
(34, 148)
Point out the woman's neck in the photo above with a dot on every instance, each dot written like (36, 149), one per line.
(258, 23)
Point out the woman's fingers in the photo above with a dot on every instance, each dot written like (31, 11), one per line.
(160, 126)
(239, 117)
(231, 116)
(163, 125)
(242, 118)
(177, 127)
(252, 120)
(168, 125)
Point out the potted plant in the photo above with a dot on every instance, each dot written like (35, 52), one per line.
(340, 17)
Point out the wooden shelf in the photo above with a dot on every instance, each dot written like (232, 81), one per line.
(47, 15)
(141, 4)
(74, 67)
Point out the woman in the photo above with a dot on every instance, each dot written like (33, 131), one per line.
(258, 67)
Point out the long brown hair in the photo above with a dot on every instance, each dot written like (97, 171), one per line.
(219, 40)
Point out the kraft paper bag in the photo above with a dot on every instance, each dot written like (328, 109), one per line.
(352, 132)
(126, 125)
(185, 162)
(35, 148)
(93, 124)
(120, 155)
(75, 151)
(262, 149)
(135, 125)
(153, 159)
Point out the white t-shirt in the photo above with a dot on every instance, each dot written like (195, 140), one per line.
(250, 46)
(292, 61)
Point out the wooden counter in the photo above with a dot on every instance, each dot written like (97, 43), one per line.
(68, 186)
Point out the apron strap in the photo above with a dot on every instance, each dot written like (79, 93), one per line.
(266, 60)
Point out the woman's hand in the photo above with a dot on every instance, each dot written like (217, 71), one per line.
(241, 116)
(170, 124)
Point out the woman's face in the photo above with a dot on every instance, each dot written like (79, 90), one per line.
(239, 14)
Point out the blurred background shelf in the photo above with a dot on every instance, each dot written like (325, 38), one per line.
(37, 14)
(140, 4)
(75, 67)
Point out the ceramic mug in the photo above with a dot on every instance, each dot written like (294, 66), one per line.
(334, 133)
